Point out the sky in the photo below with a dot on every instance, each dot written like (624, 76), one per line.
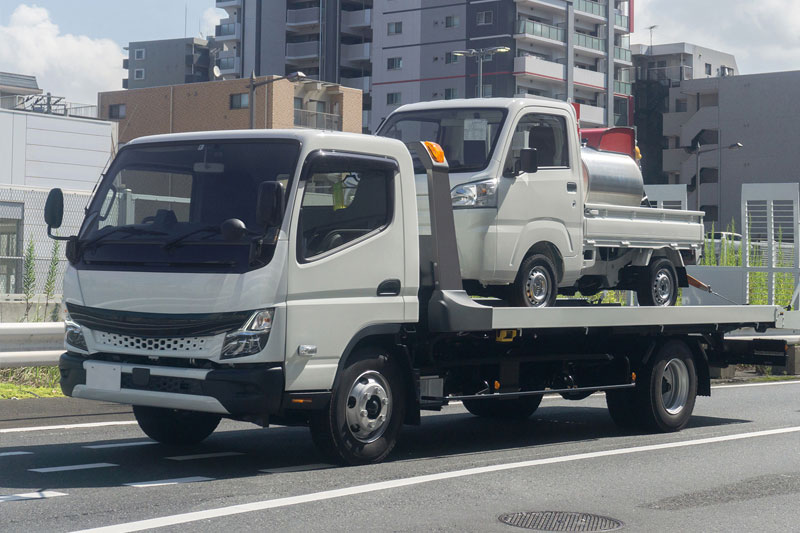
(75, 47)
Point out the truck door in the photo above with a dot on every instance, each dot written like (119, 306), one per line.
(346, 267)
(545, 205)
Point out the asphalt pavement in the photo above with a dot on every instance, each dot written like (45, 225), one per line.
(70, 465)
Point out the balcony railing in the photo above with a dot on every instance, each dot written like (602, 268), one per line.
(594, 8)
(589, 41)
(50, 105)
(623, 54)
(538, 29)
(621, 20)
(309, 15)
(622, 87)
(317, 120)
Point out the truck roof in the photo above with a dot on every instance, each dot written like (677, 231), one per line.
(512, 104)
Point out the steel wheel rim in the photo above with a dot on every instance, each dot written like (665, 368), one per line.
(537, 287)
(675, 386)
(369, 407)
(662, 287)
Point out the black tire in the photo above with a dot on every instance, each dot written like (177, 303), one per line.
(175, 427)
(622, 406)
(371, 376)
(511, 409)
(667, 390)
(535, 284)
(659, 286)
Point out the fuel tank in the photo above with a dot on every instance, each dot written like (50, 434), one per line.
(611, 178)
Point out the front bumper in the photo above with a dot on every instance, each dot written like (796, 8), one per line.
(256, 390)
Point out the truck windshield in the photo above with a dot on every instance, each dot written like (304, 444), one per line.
(467, 135)
(164, 203)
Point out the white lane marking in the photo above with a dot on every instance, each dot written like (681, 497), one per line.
(69, 426)
(9, 454)
(415, 480)
(162, 482)
(298, 468)
(71, 467)
(760, 384)
(31, 496)
(120, 445)
(202, 456)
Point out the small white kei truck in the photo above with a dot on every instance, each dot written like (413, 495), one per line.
(279, 277)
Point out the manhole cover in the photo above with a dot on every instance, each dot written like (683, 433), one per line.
(560, 521)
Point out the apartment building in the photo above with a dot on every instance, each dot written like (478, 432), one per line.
(328, 40)
(225, 105)
(563, 49)
(657, 69)
(166, 62)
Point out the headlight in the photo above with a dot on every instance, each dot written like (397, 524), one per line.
(478, 194)
(73, 336)
(251, 338)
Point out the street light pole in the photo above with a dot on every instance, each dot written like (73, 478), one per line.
(481, 53)
(698, 151)
(293, 77)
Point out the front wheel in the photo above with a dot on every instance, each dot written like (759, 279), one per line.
(173, 426)
(659, 287)
(367, 407)
(535, 284)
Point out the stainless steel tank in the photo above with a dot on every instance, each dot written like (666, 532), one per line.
(610, 178)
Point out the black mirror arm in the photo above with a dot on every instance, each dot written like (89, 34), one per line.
(56, 237)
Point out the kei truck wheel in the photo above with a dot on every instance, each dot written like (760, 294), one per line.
(535, 284)
(659, 287)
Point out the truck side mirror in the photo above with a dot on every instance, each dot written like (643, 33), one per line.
(271, 204)
(528, 160)
(54, 209)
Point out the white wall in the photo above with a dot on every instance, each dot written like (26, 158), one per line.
(38, 150)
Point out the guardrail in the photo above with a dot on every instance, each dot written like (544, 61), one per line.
(31, 344)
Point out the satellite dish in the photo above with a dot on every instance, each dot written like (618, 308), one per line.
(216, 72)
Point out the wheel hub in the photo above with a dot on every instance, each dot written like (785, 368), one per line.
(369, 407)
(537, 287)
(675, 386)
(662, 288)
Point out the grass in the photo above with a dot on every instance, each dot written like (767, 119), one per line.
(11, 391)
(30, 382)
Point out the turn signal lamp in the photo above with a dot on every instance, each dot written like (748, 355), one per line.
(436, 152)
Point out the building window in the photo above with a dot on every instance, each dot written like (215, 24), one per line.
(680, 106)
(487, 90)
(395, 28)
(485, 17)
(116, 111)
(450, 57)
(450, 93)
(451, 21)
(708, 69)
(392, 98)
(394, 63)
(11, 272)
(227, 63)
(138, 74)
(240, 101)
(138, 54)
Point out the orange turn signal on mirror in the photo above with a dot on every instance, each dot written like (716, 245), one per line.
(436, 152)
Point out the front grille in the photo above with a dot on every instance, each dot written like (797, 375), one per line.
(174, 345)
(165, 384)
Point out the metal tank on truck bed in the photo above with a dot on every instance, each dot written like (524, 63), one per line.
(611, 178)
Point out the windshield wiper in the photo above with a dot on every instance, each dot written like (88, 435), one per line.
(177, 240)
(123, 229)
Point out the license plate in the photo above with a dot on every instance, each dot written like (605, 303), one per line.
(103, 376)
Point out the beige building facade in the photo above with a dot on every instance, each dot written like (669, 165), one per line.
(225, 105)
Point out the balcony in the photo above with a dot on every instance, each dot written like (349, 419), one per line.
(706, 118)
(592, 116)
(355, 53)
(536, 32)
(555, 6)
(229, 31)
(622, 87)
(357, 21)
(229, 65)
(317, 120)
(623, 55)
(299, 20)
(362, 84)
(622, 22)
(595, 45)
(673, 123)
(544, 71)
(589, 79)
(302, 52)
(125, 63)
(596, 9)
(222, 4)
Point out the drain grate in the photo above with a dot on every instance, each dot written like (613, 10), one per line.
(560, 521)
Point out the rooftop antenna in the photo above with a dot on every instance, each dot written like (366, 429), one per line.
(651, 28)
(185, 19)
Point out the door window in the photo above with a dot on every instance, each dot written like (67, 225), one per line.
(546, 133)
(346, 199)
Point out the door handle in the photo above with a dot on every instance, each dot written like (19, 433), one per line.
(572, 186)
(389, 287)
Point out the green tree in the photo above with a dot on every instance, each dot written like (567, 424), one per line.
(29, 277)
(50, 282)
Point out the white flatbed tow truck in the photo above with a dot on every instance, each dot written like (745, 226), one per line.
(279, 277)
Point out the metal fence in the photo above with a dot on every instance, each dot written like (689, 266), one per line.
(38, 344)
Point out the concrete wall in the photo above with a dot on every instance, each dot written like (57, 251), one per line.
(164, 62)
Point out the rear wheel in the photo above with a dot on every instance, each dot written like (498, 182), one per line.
(511, 409)
(535, 284)
(659, 287)
(173, 426)
(361, 424)
(667, 397)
